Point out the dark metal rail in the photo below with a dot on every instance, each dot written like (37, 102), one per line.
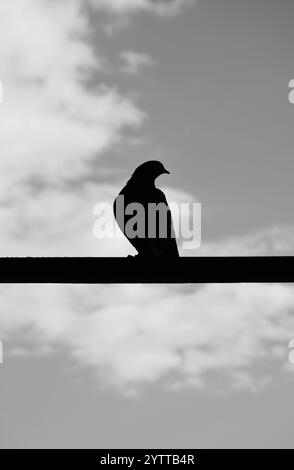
(258, 269)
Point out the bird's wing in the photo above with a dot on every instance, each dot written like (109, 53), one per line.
(168, 246)
(148, 246)
(160, 196)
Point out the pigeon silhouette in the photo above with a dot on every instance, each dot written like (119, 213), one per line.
(156, 236)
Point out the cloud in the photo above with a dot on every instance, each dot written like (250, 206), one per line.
(52, 127)
(150, 333)
(162, 7)
(134, 62)
(120, 11)
(225, 336)
(51, 124)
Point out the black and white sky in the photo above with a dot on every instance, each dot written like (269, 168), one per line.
(92, 88)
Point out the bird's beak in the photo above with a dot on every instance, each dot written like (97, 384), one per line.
(167, 172)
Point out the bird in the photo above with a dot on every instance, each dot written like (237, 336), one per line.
(153, 236)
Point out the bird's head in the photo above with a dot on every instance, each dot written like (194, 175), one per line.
(149, 171)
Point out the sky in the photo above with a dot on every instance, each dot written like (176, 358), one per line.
(92, 88)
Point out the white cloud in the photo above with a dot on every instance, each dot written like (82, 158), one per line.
(122, 10)
(134, 62)
(51, 126)
(181, 335)
(50, 123)
(128, 6)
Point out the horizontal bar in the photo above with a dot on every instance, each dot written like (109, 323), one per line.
(275, 269)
